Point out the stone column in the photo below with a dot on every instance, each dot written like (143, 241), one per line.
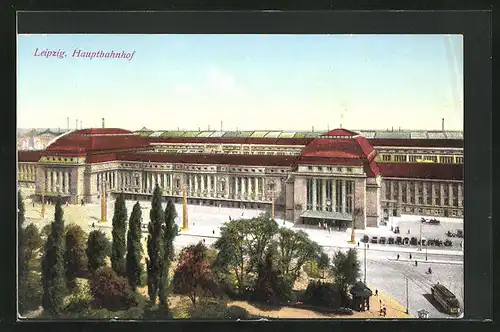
(115, 182)
(236, 189)
(460, 194)
(243, 189)
(450, 195)
(400, 192)
(344, 196)
(202, 184)
(249, 189)
(196, 188)
(314, 189)
(433, 188)
(209, 185)
(323, 194)
(424, 193)
(416, 192)
(66, 182)
(441, 190)
(54, 181)
(334, 195)
(408, 191)
(256, 188)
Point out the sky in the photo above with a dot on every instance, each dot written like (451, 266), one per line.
(242, 82)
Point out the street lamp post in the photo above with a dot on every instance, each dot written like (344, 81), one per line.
(406, 278)
(365, 263)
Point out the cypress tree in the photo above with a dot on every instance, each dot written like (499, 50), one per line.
(97, 250)
(75, 259)
(155, 245)
(53, 274)
(119, 247)
(22, 245)
(169, 234)
(134, 267)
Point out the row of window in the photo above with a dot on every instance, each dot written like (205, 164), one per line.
(328, 168)
(320, 195)
(416, 193)
(423, 158)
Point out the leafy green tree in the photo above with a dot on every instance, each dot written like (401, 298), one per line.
(53, 275)
(240, 239)
(75, 258)
(156, 246)
(295, 248)
(323, 262)
(134, 267)
(98, 247)
(193, 276)
(169, 232)
(346, 271)
(271, 285)
(33, 242)
(45, 231)
(119, 246)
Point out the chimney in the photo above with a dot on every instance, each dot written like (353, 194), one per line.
(341, 126)
(221, 126)
(76, 124)
(67, 122)
(81, 126)
(442, 124)
(103, 123)
(392, 128)
(313, 129)
(208, 127)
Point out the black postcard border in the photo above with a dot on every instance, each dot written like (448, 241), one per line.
(474, 25)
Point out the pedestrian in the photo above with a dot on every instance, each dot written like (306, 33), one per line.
(376, 292)
(367, 246)
(93, 225)
(203, 240)
(410, 256)
(34, 206)
(416, 263)
(397, 256)
(67, 203)
(230, 218)
(213, 232)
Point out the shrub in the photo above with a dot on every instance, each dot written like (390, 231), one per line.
(399, 240)
(413, 241)
(209, 309)
(322, 294)
(365, 239)
(30, 295)
(448, 243)
(80, 298)
(460, 233)
(111, 291)
(390, 240)
(235, 312)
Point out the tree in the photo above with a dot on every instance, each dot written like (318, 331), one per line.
(134, 268)
(295, 248)
(346, 271)
(119, 247)
(240, 239)
(29, 288)
(323, 262)
(193, 276)
(21, 259)
(271, 286)
(53, 275)
(75, 258)
(97, 250)
(169, 233)
(156, 246)
(111, 291)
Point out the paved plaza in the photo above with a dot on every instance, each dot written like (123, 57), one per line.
(384, 272)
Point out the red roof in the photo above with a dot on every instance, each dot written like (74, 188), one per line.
(102, 139)
(351, 149)
(340, 132)
(422, 170)
(29, 156)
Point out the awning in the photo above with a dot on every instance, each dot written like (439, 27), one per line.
(327, 215)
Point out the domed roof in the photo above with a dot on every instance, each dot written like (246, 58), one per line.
(340, 147)
(100, 139)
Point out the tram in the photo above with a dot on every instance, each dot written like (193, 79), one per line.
(446, 299)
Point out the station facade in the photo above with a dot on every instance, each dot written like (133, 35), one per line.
(337, 177)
